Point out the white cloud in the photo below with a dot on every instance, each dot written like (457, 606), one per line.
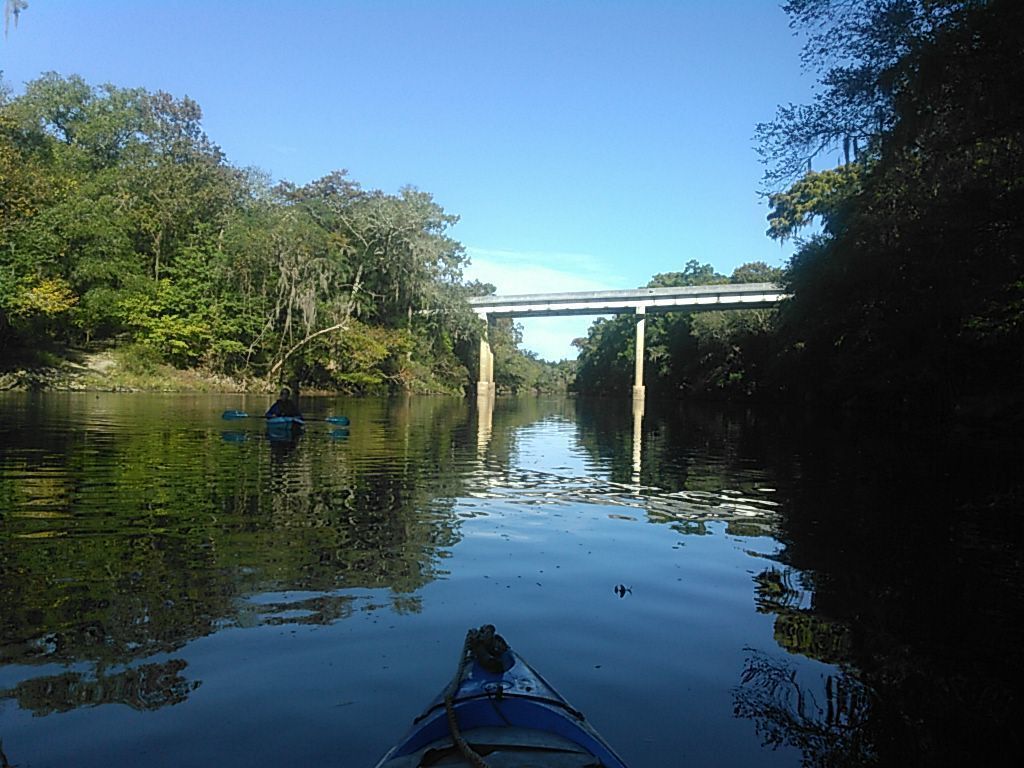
(551, 337)
(518, 272)
(515, 272)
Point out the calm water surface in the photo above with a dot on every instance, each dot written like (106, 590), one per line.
(179, 590)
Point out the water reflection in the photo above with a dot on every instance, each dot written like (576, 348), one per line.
(314, 608)
(677, 565)
(686, 510)
(907, 550)
(798, 627)
(599, 429)
(484, 423)
(144, 687)
(825, 719)
(638, 438)
(127, 533)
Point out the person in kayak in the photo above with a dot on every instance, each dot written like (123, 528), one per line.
(284, 406)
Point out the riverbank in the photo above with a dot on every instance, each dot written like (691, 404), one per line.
(113, 370)
(133, 369)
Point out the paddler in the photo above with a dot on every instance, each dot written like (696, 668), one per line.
(284, 405)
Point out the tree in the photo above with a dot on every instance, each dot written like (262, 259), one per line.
(111, 185)
(706, 353)
(401, 265)
(756, 272)
(912, 298)
(861, 52)
(694, 273)
(606, 358)
(605, 362)
(400, 242)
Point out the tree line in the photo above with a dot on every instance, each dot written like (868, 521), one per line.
(908, 281)
(121, 222)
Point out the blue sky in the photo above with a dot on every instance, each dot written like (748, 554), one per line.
(585, 145)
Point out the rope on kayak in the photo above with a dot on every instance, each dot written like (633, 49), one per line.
(487, 648)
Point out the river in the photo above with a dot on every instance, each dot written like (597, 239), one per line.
(710, 588)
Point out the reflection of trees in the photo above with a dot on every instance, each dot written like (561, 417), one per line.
(694, 448)
(797, 628)
(813, 637)
(913, 543)
(149, 686)
(827, 724)
(830, 725)
(148, 531)
(321, 609)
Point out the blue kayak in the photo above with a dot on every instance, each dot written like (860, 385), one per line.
(284, 427)
(499, 712)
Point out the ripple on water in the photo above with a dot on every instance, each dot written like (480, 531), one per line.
(541, 488)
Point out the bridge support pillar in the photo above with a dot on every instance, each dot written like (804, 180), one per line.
(485, 384)
(639, 390)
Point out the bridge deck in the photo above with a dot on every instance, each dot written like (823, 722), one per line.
(681, 299)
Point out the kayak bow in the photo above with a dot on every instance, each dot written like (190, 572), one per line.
(499, 712)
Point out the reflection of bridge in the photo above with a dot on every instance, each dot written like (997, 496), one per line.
(640, 301)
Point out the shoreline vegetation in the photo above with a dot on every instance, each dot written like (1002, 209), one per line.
(128, 369)
(123, 369)
(112, 371)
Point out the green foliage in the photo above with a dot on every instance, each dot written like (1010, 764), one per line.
(860, 50)
(694, 273)
(605, 362)
(513, 371)
(157, 568)
(120, 219)
(731, 349)
(139, 359)
(156, 322)
(705, 354)
(912, 297)
(756, 272)
(360, 359)
(556, 377)
(398, 242)
(816, 194)
(519, 372)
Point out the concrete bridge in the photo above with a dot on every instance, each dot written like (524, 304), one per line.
(640, 302)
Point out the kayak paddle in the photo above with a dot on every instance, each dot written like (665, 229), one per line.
(233, 414)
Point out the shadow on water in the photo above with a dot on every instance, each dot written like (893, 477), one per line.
(907, 548)
(913, 543)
